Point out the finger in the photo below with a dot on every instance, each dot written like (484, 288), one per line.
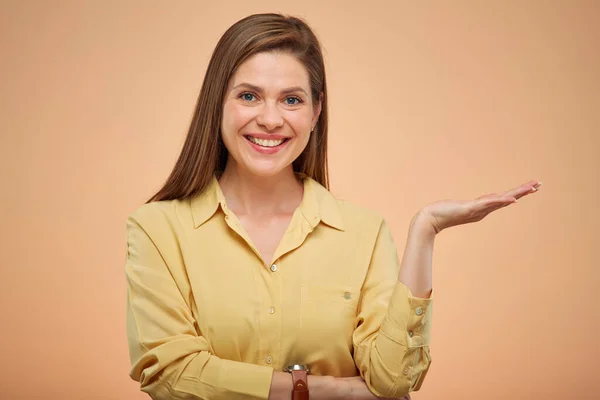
(487, 196)
(523, 190)
(518, 191)
(525, 186)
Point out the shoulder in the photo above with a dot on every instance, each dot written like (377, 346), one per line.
(159, 215)
(350, 216)
(149, 212)
(358, 218)
(159, 228)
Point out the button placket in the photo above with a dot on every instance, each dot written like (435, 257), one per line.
(270, 318)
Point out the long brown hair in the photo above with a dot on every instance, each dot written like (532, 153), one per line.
(204, 152)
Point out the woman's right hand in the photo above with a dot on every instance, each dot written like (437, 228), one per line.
(358, 390)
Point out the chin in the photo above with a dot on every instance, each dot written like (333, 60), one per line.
(265, 168)
(265, 172)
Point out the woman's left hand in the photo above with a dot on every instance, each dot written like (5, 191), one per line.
(447, 213)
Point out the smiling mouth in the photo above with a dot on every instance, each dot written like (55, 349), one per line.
(270, 143)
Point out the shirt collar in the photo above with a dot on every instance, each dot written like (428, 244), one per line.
(318, 204)
(205, 204)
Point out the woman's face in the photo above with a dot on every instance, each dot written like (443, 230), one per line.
(268, 113)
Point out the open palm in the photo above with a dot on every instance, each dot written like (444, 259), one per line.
(446, 213)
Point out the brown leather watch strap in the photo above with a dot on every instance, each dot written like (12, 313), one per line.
(300, 389)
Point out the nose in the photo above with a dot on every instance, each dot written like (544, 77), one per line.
(270, 116)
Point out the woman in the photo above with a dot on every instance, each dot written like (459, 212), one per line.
(246, 278)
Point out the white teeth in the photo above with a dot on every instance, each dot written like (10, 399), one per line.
(265, 142)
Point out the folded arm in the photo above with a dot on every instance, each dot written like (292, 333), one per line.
(169, 357)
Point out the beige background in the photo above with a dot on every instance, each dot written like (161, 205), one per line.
(429, 100)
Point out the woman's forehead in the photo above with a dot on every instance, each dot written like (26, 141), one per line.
(272, 70)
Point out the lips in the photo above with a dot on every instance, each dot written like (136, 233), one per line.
(267, 144)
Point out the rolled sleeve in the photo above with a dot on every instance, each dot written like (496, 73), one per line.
(407, 325)
(392, 336)
(169, 357)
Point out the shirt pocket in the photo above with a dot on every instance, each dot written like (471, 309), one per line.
(328, 309)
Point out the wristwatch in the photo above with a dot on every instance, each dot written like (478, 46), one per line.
(300, 381)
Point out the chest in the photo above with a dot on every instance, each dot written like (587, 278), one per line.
(250, 312)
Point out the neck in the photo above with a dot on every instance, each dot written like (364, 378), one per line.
(258, 196)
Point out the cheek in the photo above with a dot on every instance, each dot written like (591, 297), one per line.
(300, 122)
(235, 116)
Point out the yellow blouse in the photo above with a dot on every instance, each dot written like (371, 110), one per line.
(208, 319)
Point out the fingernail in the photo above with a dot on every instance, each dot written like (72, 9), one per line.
(533, 189)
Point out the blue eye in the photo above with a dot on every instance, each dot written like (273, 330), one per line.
(294, 101)
(247, 96)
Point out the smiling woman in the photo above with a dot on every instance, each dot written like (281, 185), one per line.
(269, 69)
(247, 278)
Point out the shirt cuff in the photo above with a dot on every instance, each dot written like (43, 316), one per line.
(254, 380)
(226, 379)
(408, 319)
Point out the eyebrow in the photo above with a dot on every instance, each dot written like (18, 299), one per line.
(259, 90)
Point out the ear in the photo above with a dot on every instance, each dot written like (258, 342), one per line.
(317, 110)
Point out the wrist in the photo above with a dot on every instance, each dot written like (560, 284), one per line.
(422, 225)
(328, 387)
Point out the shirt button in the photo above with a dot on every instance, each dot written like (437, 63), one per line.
(272, 310)
(347, 296)
(274, 267)
(269, 360)
(410, 333)
(419, 311)
(405, 372)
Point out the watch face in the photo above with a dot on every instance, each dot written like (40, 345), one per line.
(297, 367)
